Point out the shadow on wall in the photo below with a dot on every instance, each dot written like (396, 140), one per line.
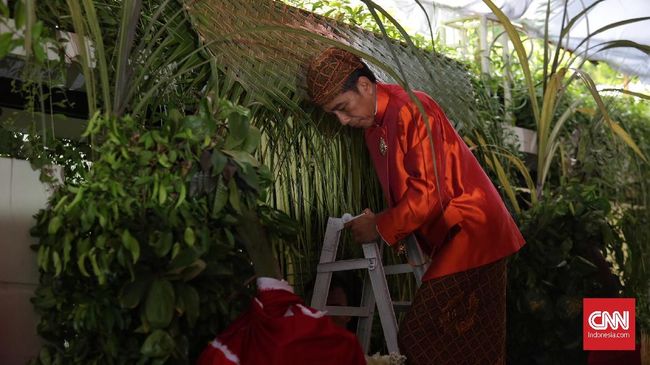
(21, 196)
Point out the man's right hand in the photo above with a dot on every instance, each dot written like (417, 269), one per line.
(364, 228)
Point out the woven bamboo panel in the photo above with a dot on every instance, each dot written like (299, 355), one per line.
(267, 45)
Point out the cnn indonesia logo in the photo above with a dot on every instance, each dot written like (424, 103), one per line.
(600, 320)
(608, 323)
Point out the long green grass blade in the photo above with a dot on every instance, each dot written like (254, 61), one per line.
(426, 15)
(565, 29)
(624, 43)
(80, 29)
(505, 183)
(545, 69)
(521, 54)
(493, 163)
(608, 27)
(616, 128)
(100, 54)
(581, 55)
(628, 92)
(547, 163)
(544, 144)
(151, 26)
(128, 25)
(521, 167)
(30, 17)
(563, 119)
(149, 93)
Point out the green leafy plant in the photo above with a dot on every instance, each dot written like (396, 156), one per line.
(548, 119)
(626, 184)
(569, 236)
(137, 259)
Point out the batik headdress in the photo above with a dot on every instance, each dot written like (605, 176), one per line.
(328, 72)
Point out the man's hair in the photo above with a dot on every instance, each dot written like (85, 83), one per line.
(351, 82)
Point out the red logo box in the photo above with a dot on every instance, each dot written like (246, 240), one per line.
(608, 323)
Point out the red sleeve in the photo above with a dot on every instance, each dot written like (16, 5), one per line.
(422, 201)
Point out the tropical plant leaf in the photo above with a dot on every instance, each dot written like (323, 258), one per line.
(191, 301)
(4, 10)
(131, 244)
(132, 292)
(159, 307)
(158, 344)
(5, 44)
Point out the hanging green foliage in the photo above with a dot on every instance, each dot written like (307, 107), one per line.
(143, 261)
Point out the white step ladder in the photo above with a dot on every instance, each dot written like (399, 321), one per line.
(374, 292)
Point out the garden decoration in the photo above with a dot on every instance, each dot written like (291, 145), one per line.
(268, 44)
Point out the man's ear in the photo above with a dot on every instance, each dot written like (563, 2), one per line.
(364, 85)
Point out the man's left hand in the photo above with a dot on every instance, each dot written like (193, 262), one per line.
(364, 228)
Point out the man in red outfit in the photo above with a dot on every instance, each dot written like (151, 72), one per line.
(436, 190)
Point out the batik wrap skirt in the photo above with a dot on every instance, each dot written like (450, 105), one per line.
(458, 319)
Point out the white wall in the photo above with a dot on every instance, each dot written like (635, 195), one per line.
(21, 196)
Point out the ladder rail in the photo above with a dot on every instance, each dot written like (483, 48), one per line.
(376, 294)
(328, 255)
(382, 297)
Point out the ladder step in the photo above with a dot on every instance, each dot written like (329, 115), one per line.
(401, 306)
(398, 269)
(347, 311)
(343, 265)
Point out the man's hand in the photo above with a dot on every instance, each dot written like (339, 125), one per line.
(364, 228)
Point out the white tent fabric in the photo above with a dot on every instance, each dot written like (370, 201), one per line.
(531, 13)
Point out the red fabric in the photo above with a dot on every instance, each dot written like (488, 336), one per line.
(264, 335)
(615, 357)
(483, 230)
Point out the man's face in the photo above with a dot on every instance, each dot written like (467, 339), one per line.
(355, 108)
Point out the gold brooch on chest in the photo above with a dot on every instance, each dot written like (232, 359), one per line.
(383, 147)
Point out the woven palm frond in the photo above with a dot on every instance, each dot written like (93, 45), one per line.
(267, 46)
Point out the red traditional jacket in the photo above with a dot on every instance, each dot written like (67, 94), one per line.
(459, 218)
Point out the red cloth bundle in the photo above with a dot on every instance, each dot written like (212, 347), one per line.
(278, 329)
